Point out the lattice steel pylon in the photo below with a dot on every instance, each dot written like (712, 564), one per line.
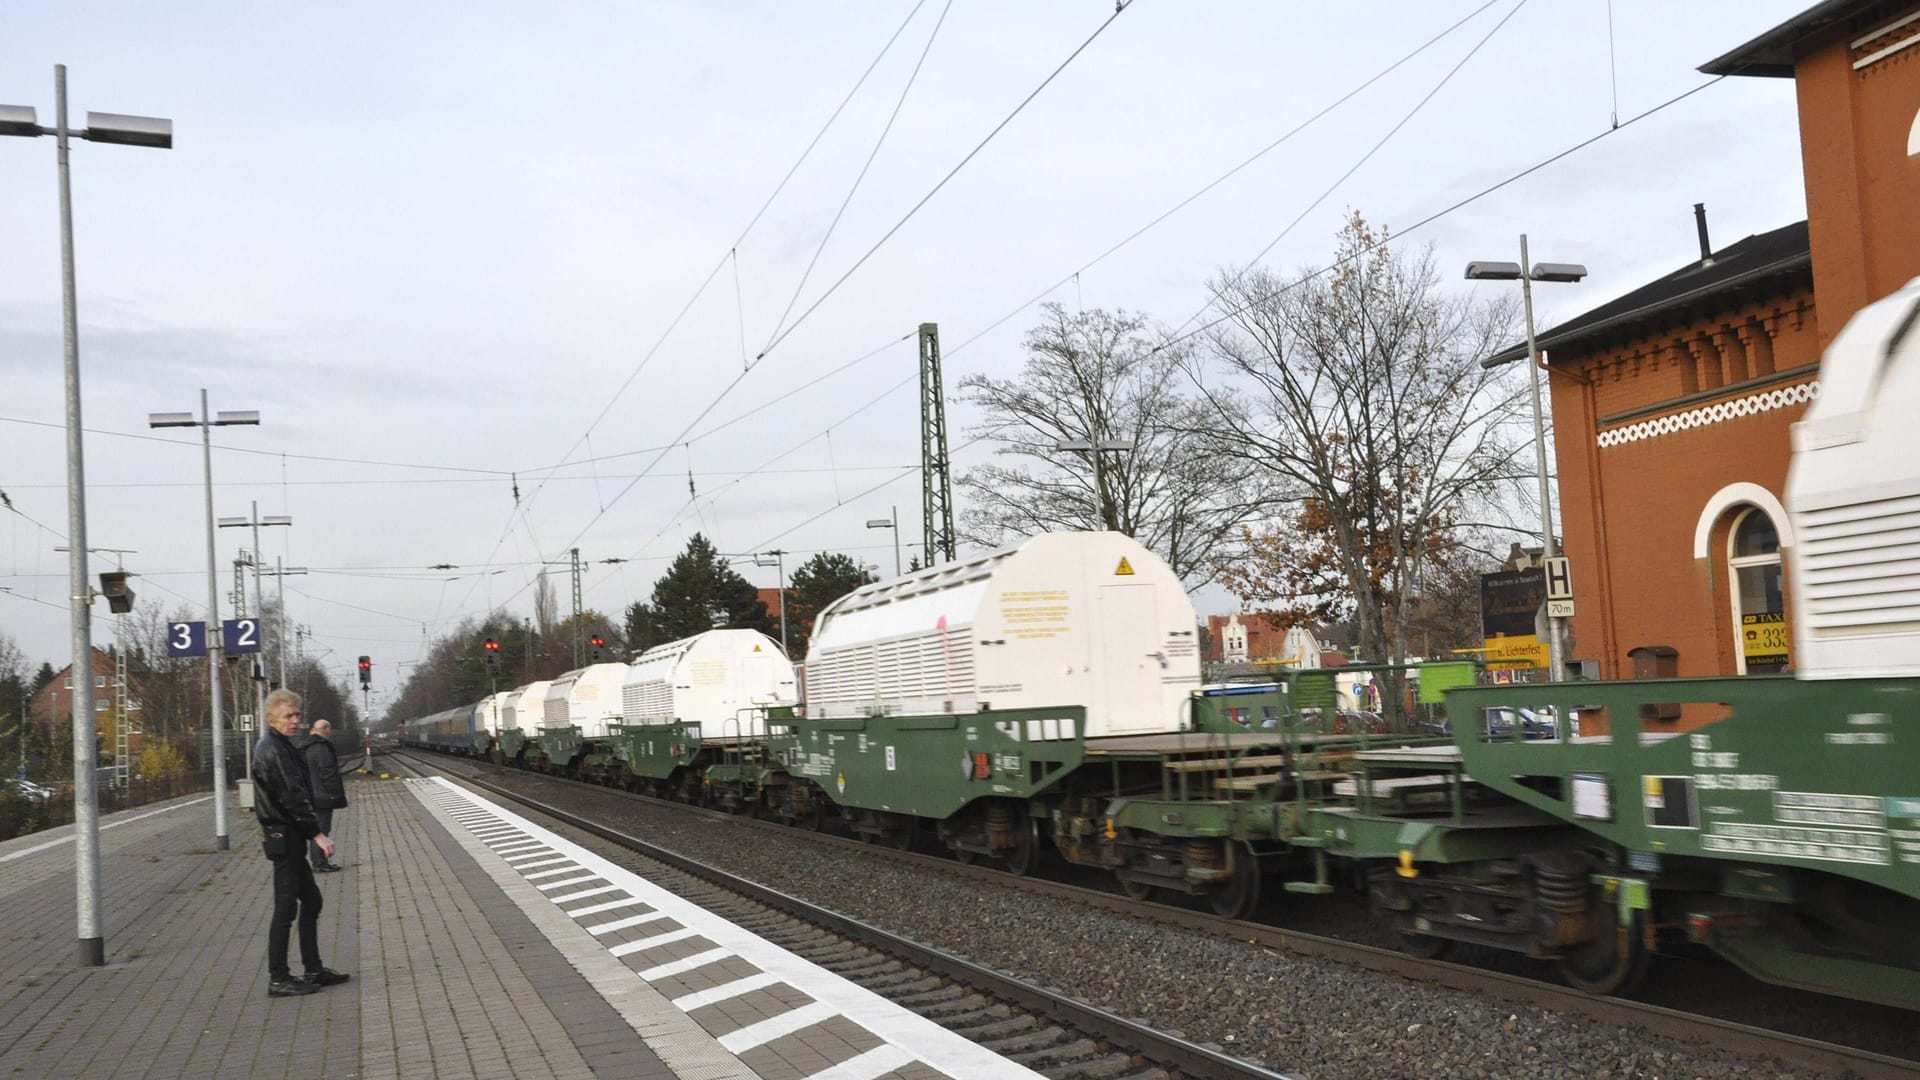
(577, 608)
(122, 706)
(936, 485)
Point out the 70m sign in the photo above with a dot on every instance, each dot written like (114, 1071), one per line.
(190, 638)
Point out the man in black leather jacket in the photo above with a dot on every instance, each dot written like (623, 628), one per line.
(283, 804)
(329, 794)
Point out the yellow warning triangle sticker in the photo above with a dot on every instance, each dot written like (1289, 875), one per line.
(756, 648)
(1125, 569)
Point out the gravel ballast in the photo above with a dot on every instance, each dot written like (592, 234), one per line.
(1308, 1017)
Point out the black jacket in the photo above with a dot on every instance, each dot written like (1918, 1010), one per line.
(323, 773)
(281, 791)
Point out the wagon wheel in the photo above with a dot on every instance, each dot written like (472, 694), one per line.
(1236, 897)
(1025, 853)
(965, 857)
(902, 836)
(1135, 890)
(1613, 961)
(815, 818)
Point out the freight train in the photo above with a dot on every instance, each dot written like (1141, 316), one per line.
(1046, 698)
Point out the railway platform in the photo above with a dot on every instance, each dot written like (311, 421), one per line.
(480, 944)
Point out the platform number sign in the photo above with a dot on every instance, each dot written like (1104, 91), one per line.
(241, 635)
(187, 639)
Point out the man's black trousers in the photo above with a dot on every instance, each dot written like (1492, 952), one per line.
(293, 893)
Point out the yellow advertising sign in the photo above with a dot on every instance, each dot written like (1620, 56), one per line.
(1515, 651)
(1763, 637)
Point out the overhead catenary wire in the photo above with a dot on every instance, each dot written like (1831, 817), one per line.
(1118, 9)
(854, 188)
(746, 230)
(1451, 207)
(1379, 143)
(1437, 215)
(1210, 185)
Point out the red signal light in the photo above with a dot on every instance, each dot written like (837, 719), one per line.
(597, 641)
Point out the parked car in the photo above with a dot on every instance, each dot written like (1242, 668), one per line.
(26, 787)
(1534, 723)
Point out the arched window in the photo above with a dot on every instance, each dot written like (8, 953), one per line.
(1759, 606)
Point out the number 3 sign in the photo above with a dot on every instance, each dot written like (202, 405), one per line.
(187, 639)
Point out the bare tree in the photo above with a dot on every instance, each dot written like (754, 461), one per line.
(1103, 377)
(1360, 391)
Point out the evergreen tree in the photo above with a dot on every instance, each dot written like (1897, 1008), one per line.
(699, 592)
(819, 581)
(42, 677)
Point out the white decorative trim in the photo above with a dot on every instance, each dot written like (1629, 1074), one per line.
(1741, 494)
(1764, 401)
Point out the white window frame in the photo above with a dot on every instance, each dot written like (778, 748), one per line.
(1736, 563)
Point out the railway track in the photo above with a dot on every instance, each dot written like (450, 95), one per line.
(1039, 1028)
(1796, 1050)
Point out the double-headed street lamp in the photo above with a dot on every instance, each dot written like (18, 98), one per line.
(1109, 514)
(1527, 273)
(206, 422)
(126, 131)
(894, 524)
(260, 607)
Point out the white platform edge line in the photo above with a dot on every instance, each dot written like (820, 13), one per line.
(918, 1036)
(682, 1045)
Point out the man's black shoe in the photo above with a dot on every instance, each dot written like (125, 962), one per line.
(327, 868)
(326, 977)
(290, 987)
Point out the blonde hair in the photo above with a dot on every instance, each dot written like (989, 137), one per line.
(281, 698)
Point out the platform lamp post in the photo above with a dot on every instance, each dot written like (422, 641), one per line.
(260, 605)
(206, 422)
(1527, 273)
(1109, 516)
(147, 131)
(894, 524)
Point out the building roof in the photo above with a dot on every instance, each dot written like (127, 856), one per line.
(1772, 53)
(1754, 261)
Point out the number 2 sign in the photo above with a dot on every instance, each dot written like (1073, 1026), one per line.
(241, 635)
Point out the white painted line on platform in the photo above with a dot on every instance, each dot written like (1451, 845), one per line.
(681, 967)
(622, 924)
(611, 905)
(564, 882)
(68, 839)
(572, 867)
(627, 948)
(876, 1062)
(765, 1031)
(724, 992)
(913, 1038)
(583, 894)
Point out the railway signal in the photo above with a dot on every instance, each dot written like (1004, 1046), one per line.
(596, 641)
(492, 648)
(366, 671)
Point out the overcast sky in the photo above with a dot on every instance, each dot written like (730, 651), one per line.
(434, 243)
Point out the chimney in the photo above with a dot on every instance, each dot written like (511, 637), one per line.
(1700, 223)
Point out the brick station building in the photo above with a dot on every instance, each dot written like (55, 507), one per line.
(1673, 404)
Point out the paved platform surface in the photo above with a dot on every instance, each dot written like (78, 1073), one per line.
(480, 944)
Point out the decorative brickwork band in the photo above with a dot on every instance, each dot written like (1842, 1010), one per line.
(1764, 401)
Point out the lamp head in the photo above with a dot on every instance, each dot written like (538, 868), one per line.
(1493, 271)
